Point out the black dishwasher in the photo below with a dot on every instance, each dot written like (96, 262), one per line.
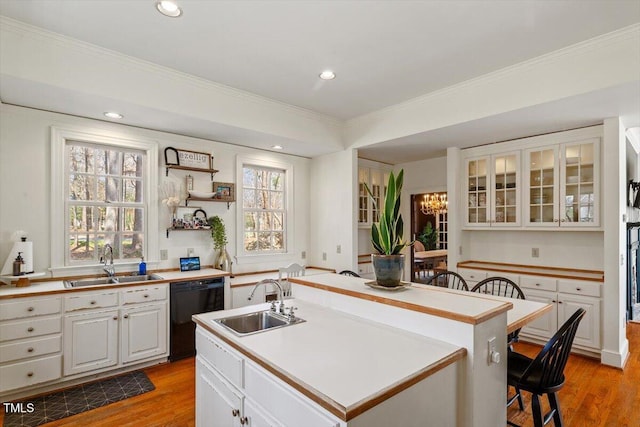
(187, 299)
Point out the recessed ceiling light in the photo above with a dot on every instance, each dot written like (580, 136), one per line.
(327, 75)
(168, 8)
(277, 147)
(113, 115)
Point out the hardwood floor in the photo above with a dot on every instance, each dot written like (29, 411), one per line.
(594, 396)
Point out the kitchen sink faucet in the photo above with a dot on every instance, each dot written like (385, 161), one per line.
(108, 251)
(280, 293)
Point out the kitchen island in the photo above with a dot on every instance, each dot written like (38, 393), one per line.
(346, 357)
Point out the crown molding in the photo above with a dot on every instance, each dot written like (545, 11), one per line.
(27, 30)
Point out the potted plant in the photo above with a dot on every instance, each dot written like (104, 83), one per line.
(219, 236)
(386, 235)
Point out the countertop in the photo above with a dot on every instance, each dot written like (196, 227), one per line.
(253, 278)
(561, 273)
(336, 359)
(57, 286)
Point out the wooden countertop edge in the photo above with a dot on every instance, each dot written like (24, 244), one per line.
(473, 320)
(513, 268)
(345, 414)
(528, 319)
(102, 287)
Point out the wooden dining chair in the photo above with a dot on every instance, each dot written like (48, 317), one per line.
(349, 273)
(503, 287)
(449, 279)
(284, 273)
(420, 265)
(545, 373)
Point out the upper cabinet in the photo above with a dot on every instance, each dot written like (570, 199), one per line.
(562, 185)
(492, 191)
(376, 179)
(547, 181)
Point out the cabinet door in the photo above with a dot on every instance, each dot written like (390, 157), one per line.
(217, 404)
(477, 192)
(588, 334)
(257, 417)
(364, 217)
(144, 332)
(505, 191)
(90, 341)
(579, 190)
(546, 325)
(541, 187)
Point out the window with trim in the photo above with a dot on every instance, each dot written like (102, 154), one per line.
(104, 202)
(264, 212)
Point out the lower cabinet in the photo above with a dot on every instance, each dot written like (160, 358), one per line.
(144, 332)
(232, 391)
(90, 341)
(566, 296)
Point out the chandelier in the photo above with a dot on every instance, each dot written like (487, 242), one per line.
(434, 204)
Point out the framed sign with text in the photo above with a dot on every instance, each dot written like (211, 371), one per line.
(195, 159)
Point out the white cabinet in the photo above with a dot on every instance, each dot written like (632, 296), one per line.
(566, 296)
(232, 391)
(562, 185)
(110, 328)
(30, 342)
(90, 341)
(376, 179)
(492, 190)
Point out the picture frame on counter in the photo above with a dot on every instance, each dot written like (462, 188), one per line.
(224, 191)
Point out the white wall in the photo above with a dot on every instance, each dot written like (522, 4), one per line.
(24, 187)
(333, 214)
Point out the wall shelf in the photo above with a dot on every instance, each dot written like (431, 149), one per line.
(187, 168)
(185, 229)
(199, 199)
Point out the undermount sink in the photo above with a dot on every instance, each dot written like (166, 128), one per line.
(251, 323)
(110, 280)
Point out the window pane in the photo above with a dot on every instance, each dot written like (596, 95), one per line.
(250, 242)
(133, 219)
(249, 199)
(248, 178)
(277, 179)
(132, 164)
(250, 221)
(264, 222)
(132, 190)
(277, 201)
(132, 245)
(278, 241)
(82, 187)
(112, 193)
(261, 199)
(80, 159)
(278, 223)
(264, 240)
(81, 246)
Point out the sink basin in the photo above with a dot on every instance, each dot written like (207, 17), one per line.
(251, 323)
(110, 280)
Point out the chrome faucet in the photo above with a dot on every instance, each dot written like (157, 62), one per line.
(109, 269)
(280, 293)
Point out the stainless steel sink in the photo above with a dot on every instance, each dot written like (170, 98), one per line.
(251, 323)
(110, 280)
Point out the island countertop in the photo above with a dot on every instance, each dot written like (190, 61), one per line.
(335, 359)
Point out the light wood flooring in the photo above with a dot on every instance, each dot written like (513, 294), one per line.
(594, 395)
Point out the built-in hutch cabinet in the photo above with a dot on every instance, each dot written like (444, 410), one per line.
(375, 176)
(558, 176)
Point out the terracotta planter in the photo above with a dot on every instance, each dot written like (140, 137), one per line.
(388, 269)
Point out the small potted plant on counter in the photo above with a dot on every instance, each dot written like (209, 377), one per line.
(386, 235)
(219, 236)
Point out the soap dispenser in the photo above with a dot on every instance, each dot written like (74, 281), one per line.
(18, 265)
(142, 267)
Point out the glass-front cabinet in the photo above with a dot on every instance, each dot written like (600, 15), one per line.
(376, 179)
(493, 191)
(562, 187)
(364, 214)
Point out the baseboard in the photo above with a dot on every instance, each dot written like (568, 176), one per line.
(616, 359)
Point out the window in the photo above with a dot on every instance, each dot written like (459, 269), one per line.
(103, 191)
(104, 201)
(264, 210)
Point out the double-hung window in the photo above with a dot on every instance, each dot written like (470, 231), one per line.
(102, 188)
(264, 209)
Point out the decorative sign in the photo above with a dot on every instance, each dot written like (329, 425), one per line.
(194, 159)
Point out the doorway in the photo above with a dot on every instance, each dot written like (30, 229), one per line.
(429, 227)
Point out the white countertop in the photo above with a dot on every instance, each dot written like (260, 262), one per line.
(337, 357)
(563, 273)
(57, 286)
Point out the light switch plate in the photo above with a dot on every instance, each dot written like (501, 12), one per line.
(164, 254)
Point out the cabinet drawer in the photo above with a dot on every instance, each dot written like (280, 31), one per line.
(30, 328)
(577, 287)
(29, 308)
(472, 275)
(146, 294)
(218, 355)
(30, 348)
(288, 408)
(92, 300)
(537, 282)
(18, 375)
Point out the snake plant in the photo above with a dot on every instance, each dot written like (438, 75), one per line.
(386, 235)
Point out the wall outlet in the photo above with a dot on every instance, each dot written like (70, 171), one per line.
(535, 252)
(460, 250)
(303, 255)
(324, 256)
(164, 254)
(190, 252)
(339, 249)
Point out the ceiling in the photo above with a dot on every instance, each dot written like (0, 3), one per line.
(383, 52)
